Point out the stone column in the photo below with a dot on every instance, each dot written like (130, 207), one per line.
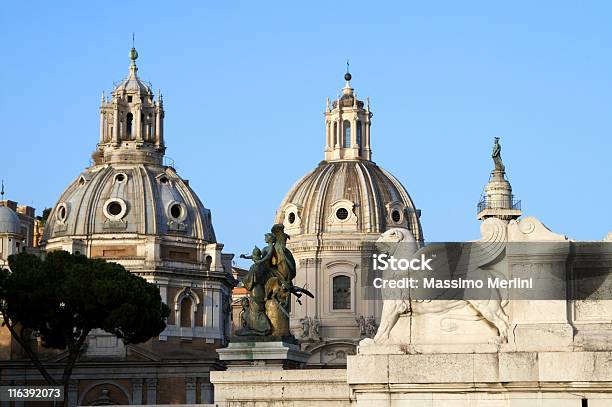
(354, 132)
(160, 128)
(151, 391)
(102, 116)
(366, 134)
(157, 125)
(105, 135)
(137, 124)
(190, 390)
(116, 125)
(136, 391)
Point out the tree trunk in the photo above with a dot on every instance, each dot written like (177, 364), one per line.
(31, 354)
(73, 354)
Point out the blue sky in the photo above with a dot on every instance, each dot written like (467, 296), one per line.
(245, 83)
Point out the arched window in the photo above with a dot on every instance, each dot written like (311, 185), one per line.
(341, 292)
(129, 119)
(186, 314)
(347, 134)
(359, 135)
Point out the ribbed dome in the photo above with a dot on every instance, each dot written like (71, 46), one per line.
(351, 196)
(133, 84)
(131, 198)
(9, 221)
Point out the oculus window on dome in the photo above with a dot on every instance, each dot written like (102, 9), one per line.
(62, 212)
(176, 211)
(396, 216)
(121, 177)
(115, 209)
(342, 214)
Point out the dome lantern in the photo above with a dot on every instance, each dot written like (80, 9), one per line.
(131, 122)
(347, 126)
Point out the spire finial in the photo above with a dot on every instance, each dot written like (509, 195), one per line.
(133, 52)
(2, 190)
(347, 75)
(133, 57)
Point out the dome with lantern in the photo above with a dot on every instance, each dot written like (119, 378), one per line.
(128, 195)
(348, 192)
(333, 215)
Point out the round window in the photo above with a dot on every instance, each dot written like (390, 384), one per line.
(342, 214)
(292, 218)
(114, 208)
(163, 180)
(120, 177)
(176, 211)
(396, 216)
(62, 212)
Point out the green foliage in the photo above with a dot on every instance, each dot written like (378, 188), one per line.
(65, 296)
(45, 215)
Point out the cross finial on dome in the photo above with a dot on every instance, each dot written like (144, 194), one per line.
(347, 90)
(347, 75)
(133, 58)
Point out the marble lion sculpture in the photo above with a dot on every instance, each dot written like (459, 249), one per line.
(494, 239)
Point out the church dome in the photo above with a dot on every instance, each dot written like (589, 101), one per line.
(348, 192)
(9, 221)
(348, 195)
(130, 198)
(131, 208)
(128, 192)
(334, 214)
